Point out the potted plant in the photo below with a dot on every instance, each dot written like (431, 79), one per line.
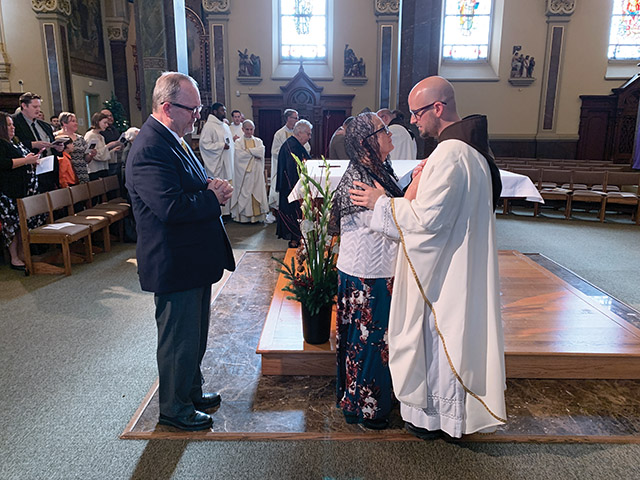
(312, 273)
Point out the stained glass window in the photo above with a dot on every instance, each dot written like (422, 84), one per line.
(624, 39)
(303, 29)
(466, 29)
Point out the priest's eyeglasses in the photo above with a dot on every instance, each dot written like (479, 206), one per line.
(383, 128)
(421, 111)
(194, 110)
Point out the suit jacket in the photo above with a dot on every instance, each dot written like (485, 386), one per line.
(47, 181)
(182, 243)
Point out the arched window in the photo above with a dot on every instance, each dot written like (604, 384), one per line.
(624, 37)
(302, 32)
(466, 31)
(470, 42)
(303, 29)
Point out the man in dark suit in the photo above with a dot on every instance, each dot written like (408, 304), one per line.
(182, 245)
(37, 134)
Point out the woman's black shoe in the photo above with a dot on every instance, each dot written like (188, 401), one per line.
(377, 424)
(350, 418)
(20, 268)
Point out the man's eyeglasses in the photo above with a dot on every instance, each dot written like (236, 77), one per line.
(383, 128)
(421, 111)
(194, 110)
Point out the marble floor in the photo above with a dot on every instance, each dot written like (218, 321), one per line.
(256, 407)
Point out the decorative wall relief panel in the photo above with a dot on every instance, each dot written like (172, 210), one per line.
(52, 6)
(216, 6)
(560, 7)
(386, 7)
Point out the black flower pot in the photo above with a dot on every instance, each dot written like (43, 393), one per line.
(316, 329)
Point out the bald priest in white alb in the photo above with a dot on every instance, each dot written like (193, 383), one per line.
(446, 352)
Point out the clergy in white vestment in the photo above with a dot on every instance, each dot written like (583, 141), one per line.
(249, 201)
(236, 124)
(404, 146)
(216, 146)
(281, 136)
(446, 352)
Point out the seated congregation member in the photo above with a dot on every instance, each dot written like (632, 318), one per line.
(249, 201)
(36, 135)
(99, 167)
(366, 264)
(80, 155)
(18, 179)
(289, 214)
(67, 175)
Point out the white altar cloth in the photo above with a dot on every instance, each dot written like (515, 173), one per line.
(513, 185)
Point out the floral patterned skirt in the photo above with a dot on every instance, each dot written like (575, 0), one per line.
(10, 220)
(363, 380)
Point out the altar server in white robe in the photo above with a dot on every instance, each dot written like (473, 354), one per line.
(281, 136)
(236, 124)
(249, 201)
(446, 352)
(216, 147)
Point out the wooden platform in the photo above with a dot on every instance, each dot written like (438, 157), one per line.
(552, 330)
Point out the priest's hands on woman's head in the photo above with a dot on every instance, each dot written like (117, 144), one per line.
(364, 195)
(222, 189)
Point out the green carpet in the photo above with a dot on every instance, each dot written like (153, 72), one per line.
(78, 354)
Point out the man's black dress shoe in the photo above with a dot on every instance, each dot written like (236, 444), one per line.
(20, 268)
(192, 422)
(423, 433)
(208, 401)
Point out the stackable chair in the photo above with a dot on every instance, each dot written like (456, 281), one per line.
(553, 185)
(60, 200)
(582, 191)
(112, 190)
(627, 194)
(39, 204)
(115, 213)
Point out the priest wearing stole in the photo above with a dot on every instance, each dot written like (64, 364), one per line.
(446, 352)
(249, 202)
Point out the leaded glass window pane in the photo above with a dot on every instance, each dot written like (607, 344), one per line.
(303, 29)
(624, 38)
(466, 29)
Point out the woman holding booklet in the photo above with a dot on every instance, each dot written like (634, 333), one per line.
(17, 180)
